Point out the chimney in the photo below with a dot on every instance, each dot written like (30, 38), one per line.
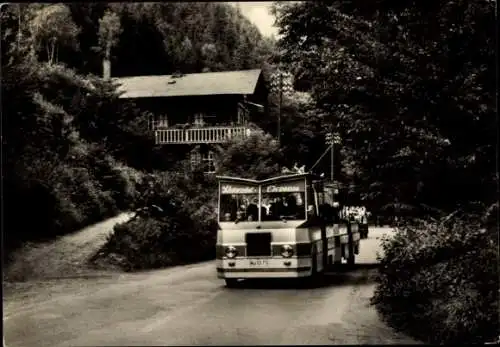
(106, 69)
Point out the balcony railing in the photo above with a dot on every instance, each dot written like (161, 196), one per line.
(218, 134)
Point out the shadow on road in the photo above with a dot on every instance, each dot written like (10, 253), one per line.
(359, 274)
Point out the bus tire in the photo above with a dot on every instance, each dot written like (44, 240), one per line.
(351, 260)
(316, 276)
(231, 282)
(314, 267)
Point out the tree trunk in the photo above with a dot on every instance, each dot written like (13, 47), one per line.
(106, 64)
(19, 34)
(47, 48)
(53, 51)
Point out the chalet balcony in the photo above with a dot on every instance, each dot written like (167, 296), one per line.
(216, 134)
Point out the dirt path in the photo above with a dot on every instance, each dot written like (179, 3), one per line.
(64, 257)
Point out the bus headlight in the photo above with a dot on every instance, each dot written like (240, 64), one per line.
(231, 252)
(286, 251)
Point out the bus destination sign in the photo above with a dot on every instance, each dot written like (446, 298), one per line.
(238, 189)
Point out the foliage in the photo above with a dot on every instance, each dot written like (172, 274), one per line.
(439, 281)
(147, 38)
(177, 224)
(410, 89)
(53, 170)
(51, 26)
(303, 126)
(109, 31)
(257, 156)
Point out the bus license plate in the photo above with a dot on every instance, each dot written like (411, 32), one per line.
(259, 262)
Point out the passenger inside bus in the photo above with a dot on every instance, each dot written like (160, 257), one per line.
(280, 206)
(274, 207)
(253, 210)
(238, 207)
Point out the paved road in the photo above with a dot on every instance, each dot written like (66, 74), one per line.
(190, 306)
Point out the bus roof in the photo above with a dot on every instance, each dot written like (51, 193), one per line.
(268, 180)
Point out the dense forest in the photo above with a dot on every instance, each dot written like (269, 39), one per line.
(138, 38)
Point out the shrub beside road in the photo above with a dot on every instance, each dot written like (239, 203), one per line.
(439, 281)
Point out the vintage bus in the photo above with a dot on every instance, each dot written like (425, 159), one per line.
(285, 226)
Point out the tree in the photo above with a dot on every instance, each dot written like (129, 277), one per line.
(109, 32)
(51, 27)
(257, 156)
(407, 86)
(209, 53)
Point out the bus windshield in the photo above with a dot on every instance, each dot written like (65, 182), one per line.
(239, 202)
(239, 207)
(284, 200)
(279, 206)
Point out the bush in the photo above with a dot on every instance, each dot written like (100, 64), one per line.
(67, 196)
(148, 243)
(439, 281)
(178, 227)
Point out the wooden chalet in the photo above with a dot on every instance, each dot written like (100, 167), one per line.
(198, 109)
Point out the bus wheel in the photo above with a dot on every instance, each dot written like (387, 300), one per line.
(316, 275)
(231, 282)
(351, 260)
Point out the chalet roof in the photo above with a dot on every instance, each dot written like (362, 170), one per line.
(207, 83)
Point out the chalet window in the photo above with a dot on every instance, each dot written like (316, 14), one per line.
(198, 119)
(157, 122)
(209, 162)
(195, 160)
(242, 114)
(162, 121)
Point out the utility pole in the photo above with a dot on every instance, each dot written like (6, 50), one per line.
(281, 84)
(333, 160)
(281, 102)
(330, 140)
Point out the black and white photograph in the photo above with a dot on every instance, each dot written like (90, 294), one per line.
(250, 173)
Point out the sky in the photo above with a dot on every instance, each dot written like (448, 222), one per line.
(258, 13)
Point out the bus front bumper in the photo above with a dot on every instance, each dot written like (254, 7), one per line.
(264, 268)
